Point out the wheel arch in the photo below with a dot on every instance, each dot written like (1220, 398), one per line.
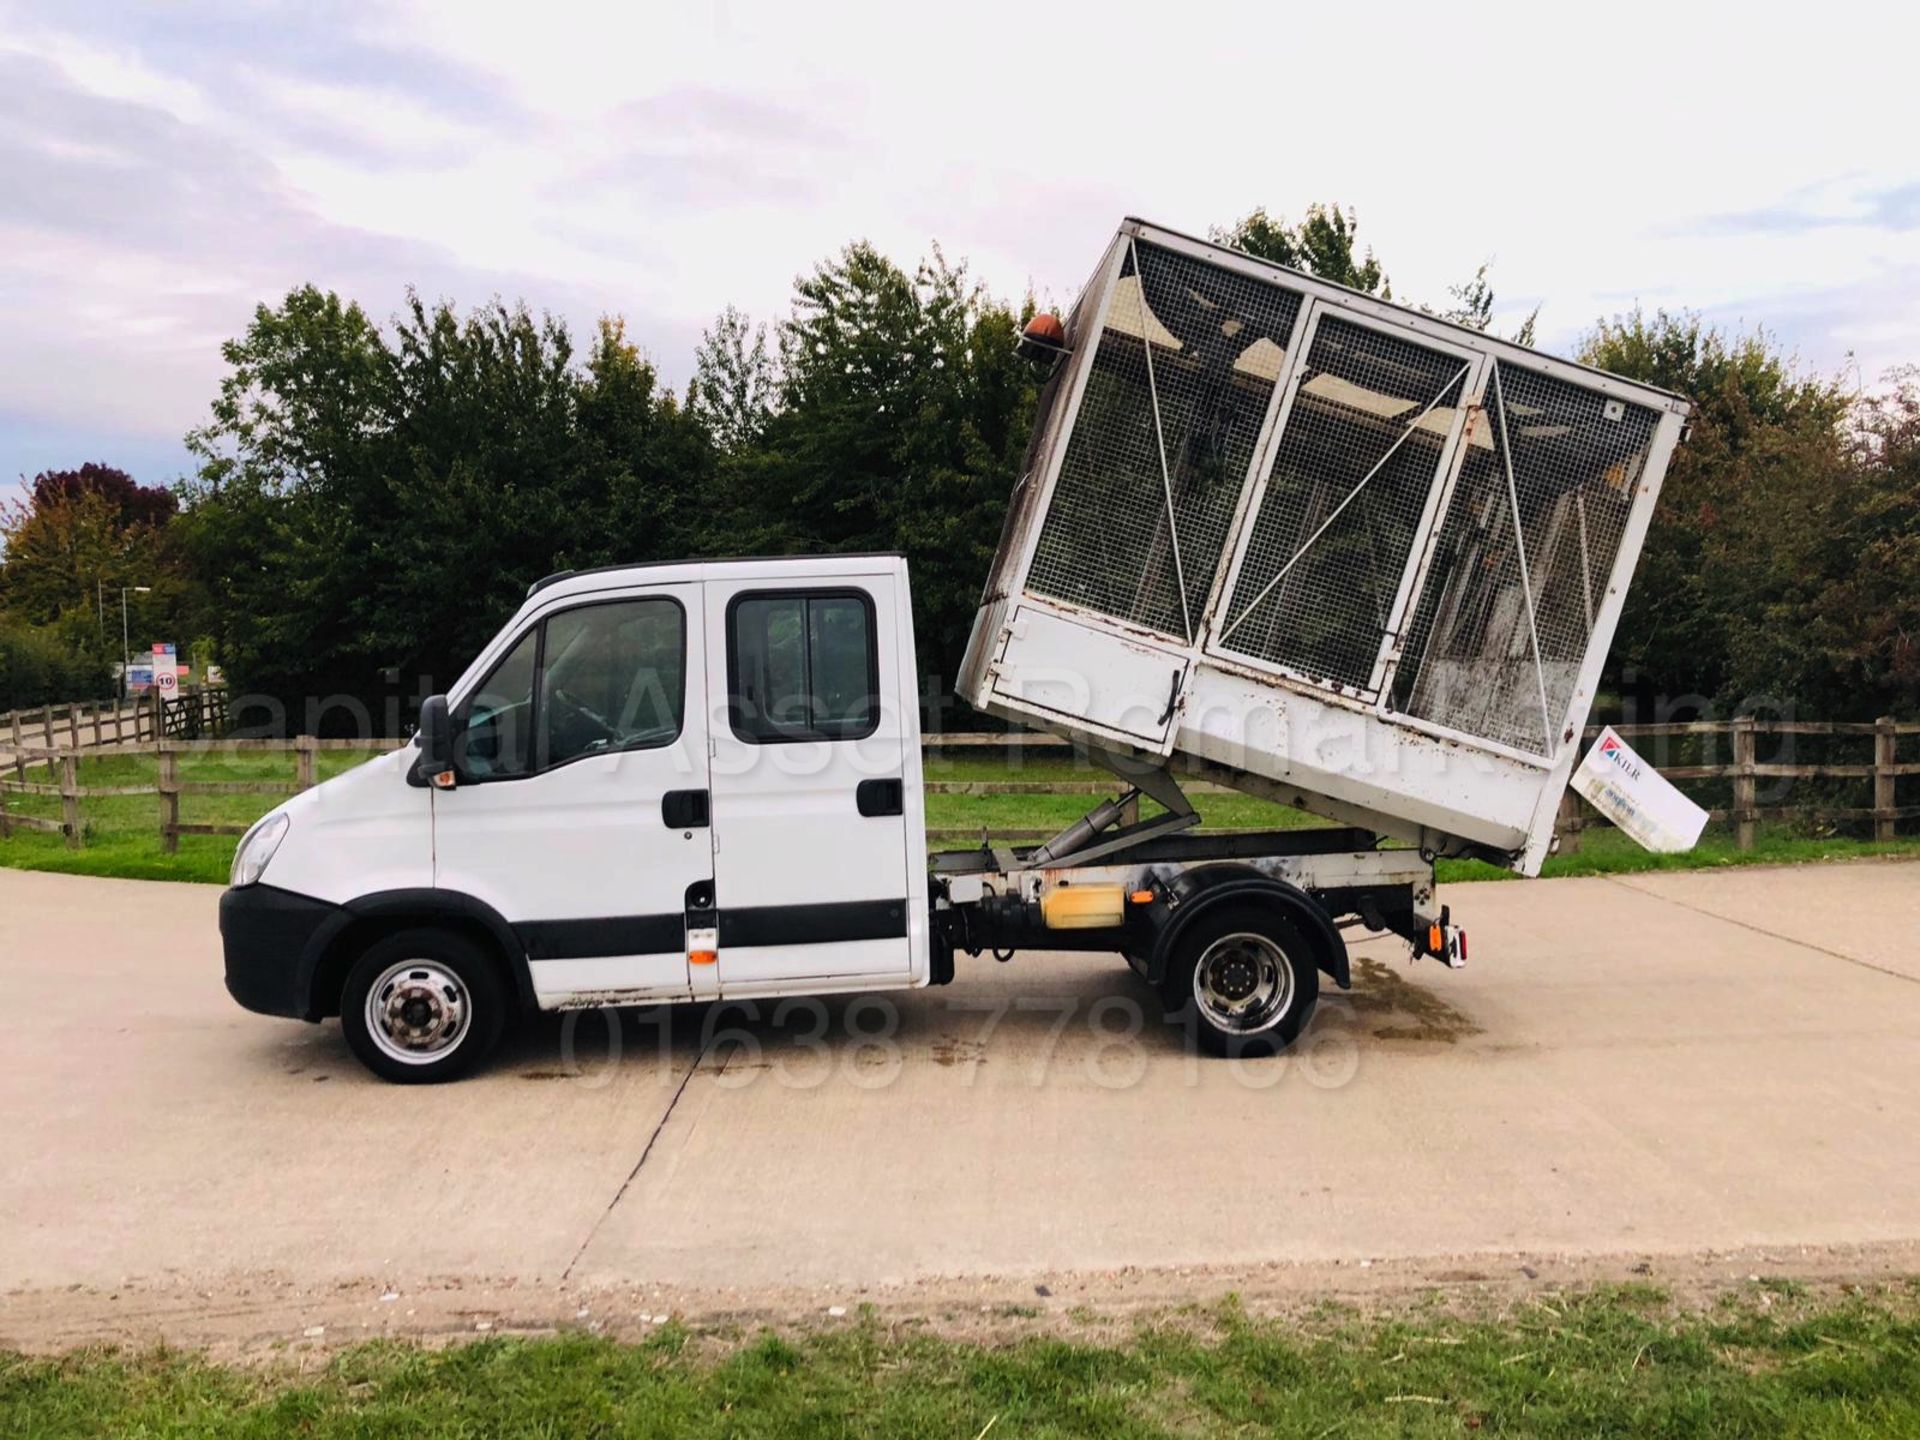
(367, 918)
(1214, 886)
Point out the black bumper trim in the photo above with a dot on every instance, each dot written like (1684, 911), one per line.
(606, 935)
(268, 936)
(820, 924)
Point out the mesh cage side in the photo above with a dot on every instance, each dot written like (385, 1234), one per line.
(1577, 458)
(1350, 478)
(1185, 370)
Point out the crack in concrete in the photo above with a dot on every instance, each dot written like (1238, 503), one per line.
(1626, 884)
(646, 1150)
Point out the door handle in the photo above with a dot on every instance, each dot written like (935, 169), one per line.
(881, 797)
(686, 810)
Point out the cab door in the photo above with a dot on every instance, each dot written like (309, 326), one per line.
(808, 780)
(580, 813)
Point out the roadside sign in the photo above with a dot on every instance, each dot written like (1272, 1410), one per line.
(166, 672)
(1636, 797)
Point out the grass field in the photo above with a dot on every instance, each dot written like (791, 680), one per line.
(122, 833)
(1620, 1362)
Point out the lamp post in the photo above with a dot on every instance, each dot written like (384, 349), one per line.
(126, 651)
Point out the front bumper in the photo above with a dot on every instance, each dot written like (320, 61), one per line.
(270, 940)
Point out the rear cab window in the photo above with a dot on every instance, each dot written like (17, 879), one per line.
(802, 665)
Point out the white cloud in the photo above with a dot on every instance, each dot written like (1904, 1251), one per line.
(114, 73)
(665, 161)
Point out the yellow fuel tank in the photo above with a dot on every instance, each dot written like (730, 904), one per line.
(1083, 907)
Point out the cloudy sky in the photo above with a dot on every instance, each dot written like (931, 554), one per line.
(164, 167)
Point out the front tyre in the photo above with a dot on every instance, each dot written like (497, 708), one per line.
(1244, 979)
(422, 1006)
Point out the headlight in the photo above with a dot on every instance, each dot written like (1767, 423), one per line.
(257, 849)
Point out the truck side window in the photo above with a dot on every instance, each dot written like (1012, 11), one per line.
(802, 665)
(497, 742)
(613, 677)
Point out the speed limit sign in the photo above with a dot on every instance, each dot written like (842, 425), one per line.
(166, 672)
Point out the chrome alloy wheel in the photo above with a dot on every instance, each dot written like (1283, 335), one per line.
(418, 1011)
(1243, 984)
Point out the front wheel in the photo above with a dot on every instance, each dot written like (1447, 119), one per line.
(1244, 979)
(422, 1006)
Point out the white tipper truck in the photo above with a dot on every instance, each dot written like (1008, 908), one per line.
(1271, 533)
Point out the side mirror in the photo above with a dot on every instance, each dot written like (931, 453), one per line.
(434, 765)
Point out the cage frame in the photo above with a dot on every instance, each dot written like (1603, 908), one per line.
(1204, 647)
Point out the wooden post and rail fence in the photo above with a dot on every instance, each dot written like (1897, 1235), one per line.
(166, 738)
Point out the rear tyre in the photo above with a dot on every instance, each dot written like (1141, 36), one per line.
(421, 1006)
(1243, 980)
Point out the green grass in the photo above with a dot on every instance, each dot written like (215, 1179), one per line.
(122, 834)
(1611, 852)
(1619, 1363)
(1046, 814)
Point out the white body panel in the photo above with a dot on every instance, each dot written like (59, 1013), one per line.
(789, 834)
(1113, 684)
(361, 832)
(586, 841)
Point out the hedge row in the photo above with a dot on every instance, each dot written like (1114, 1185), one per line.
(38, 668)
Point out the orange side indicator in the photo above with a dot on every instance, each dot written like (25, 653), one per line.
(702, 957)
(1141, 897)
(1436, 939)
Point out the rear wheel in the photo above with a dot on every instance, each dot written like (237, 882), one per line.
(422, 1006)
(1244, 980)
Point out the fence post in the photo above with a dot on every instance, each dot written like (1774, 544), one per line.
(46, 738)
(1743, 782)
(168, 785)
(70, 796)
(73, 725)
(1885, 737)
(19, 760)
(96, 722)
(1568, 824)
(303, 761)
(6, 824)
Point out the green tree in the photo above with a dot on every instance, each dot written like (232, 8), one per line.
(79, 533)
(901, 415)
(1322, 244)
(51, 664)
(1871, 605)
(1753, 583)
(374, 504)
(733, 387)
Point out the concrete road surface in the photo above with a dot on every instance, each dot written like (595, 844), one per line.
(1655, 1065)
